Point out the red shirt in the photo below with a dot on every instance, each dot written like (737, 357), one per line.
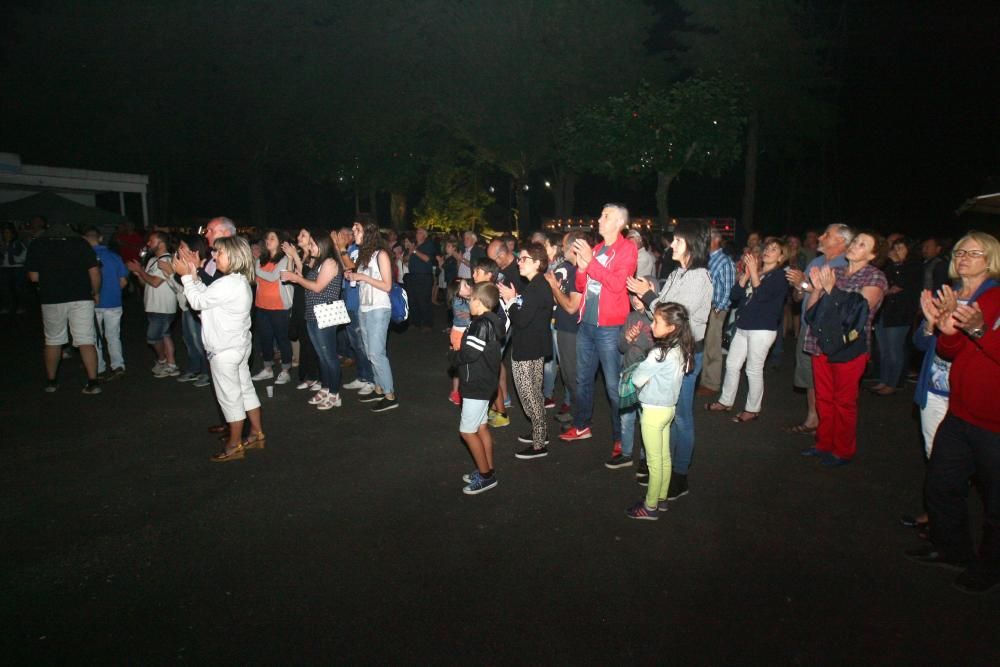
(975, 368)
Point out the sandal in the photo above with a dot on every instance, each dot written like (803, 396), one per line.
(234, 454)
(745, 416)
(800, 428)
(718, 407)
(255, 441)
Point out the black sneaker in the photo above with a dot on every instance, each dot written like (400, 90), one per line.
(385, 404)
(526, 439)
(976, 581)
(529, 453)
(618, 461)
(372, 397)
(678, 486)
(92, 388)
(928, 555)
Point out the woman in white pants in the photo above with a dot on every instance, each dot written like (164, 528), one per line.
(759, 297)
(225, 318)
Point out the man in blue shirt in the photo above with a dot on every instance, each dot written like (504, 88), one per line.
(832, 246)
(420, 278)
(723, 273)
(108, 311)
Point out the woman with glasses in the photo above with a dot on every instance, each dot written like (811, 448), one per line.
(530, 312)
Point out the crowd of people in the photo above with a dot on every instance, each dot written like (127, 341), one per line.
(664, 321)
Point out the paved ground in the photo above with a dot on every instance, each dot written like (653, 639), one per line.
(348, 539)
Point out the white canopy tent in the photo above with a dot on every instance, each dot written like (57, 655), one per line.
(80, 185)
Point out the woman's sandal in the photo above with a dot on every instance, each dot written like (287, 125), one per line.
(746, 417)
(255, 441)
(800, 428)
(718, 407)
(234, 454)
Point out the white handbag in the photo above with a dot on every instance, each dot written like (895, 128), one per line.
(331, 314)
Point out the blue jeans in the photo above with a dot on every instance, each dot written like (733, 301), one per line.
(597, 345)
(353, 330)
(629, 417)
(682, 428)
(374, 331)
(325, 343)
(891, 352)
(191, 329)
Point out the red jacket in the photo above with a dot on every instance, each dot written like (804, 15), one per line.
(612, 305)
(974, 379)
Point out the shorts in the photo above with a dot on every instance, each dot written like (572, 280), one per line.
(77, 316)
(803, 378)
(456, 337)
(474, 414)
(158, 327)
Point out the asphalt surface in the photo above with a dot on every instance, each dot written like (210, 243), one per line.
(348, 539)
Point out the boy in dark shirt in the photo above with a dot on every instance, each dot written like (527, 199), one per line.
(478, 363)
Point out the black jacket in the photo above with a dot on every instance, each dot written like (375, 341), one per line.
(478, 359)
(531, 319)
(839, 320)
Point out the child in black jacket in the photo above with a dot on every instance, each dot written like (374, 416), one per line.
(478, 363)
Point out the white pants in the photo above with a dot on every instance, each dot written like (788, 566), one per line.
(751, 347)
(109, 327)
(931, 417)
(233, 387)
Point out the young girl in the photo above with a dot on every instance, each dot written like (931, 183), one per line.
(225, 318)
(459, 292)
(659, 379)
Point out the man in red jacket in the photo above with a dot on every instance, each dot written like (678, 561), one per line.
(967, 445)
(600, 276)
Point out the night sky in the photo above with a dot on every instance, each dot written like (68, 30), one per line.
(916, 107)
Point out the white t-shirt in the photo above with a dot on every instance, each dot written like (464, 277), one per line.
(372, 298)
(159, 299)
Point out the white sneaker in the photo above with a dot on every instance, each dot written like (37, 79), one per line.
(283, 378)
(202, 381)
(331, 401)
(367, 389)
(355, 384)
(159, 366)
(319, 397)
(305, 384)
(265, 374)
(316, 385)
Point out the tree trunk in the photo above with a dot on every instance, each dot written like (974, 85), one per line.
(663, 181)
(397, 209)
(750, 171)
(523, 208)
(373, 202)
(563, 191)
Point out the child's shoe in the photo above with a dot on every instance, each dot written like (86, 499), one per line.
(455, 397)
(640, 511)
(478, 484)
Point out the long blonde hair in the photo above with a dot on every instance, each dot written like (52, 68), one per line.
(240, 257)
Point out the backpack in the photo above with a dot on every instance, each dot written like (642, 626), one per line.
(400, 304)
(628, 393)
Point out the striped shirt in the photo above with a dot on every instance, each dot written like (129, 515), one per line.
(723, 273)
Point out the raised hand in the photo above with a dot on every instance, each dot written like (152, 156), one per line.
(827, 278)
(508, 294)
(968, 318)
(929, 308)
(181, 266)
(638, 285)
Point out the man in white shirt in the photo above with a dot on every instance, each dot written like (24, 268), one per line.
(160, 303)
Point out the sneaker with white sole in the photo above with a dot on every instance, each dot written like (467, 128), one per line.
(370, 397)
(283, 378)
(188, 377)
(319, 397)
(478, 484)
(356, 383)
(367, 390)
(167, 371)
(526, 438)
(575, 433)
(92, 388)
(529, 453)
(265, 374)
(331, 401)
(640, 511)
(305, 384)
(203, 381)
(386, 404)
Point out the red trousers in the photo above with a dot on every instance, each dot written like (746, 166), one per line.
(837, 404)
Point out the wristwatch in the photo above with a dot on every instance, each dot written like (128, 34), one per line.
(976, 334)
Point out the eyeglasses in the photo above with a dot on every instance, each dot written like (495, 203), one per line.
(523, 259)
(975, 254)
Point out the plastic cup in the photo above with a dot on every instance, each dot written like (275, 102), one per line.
(270, 391)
